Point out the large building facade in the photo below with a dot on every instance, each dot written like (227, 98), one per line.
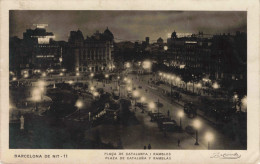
(37, 50)
(94, 54)
(218, 56)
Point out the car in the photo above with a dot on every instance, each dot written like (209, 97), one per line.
(157, 116)
(189, 108)
(169, 126)
(190, 129)
(150, 113)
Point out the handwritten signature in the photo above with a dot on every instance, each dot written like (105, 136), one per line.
(226, 155)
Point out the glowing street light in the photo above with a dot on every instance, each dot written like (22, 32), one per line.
(180, 114)
(14, 78)
(135, 94)
(95, 94)
(43, 74)
(235, 96)
(79, 105)
(215, 85)
(106, 75)
(197, 125)
(199, 85)
(92, 88)
(25, 75)
(143, 99)
(147, 64)
(61, 74)
(172, 77)
(128, 65)
(129, 88)
(209, 137)
(77, 74)
(70, 82)
(151, 105)
(92, 75)
(165, 48)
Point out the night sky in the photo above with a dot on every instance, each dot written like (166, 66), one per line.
(128, 25)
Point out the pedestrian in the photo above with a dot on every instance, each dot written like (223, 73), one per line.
(149, 147)
(179, 142)
(144, 147)
(168, 113)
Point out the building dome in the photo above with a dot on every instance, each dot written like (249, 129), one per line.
(160, 40)
(109, 35)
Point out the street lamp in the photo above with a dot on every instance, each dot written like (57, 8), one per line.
(209, 137)
(106, 76)
(199, 85)
(197, 125)
(215, 86)
(95, 94)
(26, 75)
(180, 114)
(135, 94)
(143, 99)
(147, 64)
(79, 105)
(151, 105)
(92, 88)
(43, 74)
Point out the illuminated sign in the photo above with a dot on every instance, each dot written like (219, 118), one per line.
(44, 39)
(184, 34)
(45, 56)
(192, 42)
(40, 25)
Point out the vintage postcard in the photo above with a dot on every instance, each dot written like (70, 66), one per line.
(129, 82)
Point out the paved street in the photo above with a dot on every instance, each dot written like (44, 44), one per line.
(149, 132)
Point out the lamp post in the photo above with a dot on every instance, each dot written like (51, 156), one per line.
(151, 106)
(135, 94)
(180, 114)
(106, 76)
(215, 86)
(209, 137)
(142, 101)
(197, 125)
(79, 105)
(92, 76)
